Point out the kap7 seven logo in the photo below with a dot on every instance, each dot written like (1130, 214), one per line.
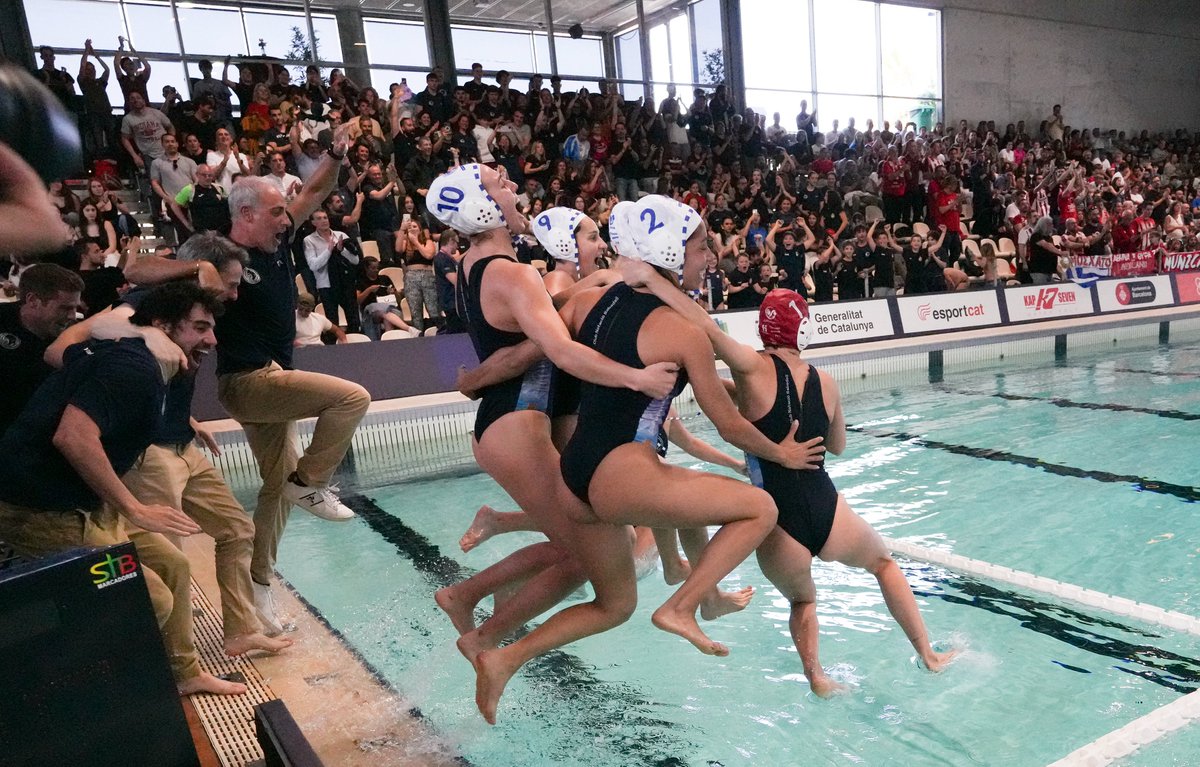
(1047, 297)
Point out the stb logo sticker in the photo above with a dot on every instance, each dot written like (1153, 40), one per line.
(112, 570)
(1141, 292)
(9, 341)
(250, 276)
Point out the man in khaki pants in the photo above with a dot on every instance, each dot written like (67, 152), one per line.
(81, 430)
(256, 384)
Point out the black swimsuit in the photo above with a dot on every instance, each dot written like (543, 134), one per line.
(529, 391)
(611, 417)
(807, 500)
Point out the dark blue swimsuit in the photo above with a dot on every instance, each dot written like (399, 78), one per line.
(529, 391)
(611, 417)
(807, 499)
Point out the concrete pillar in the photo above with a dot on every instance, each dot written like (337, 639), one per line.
(15, 45)
(353, 37)
(437, 35)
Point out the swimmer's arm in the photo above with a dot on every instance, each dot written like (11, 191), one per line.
(716, 404)
(835, 438)
(533, 310)
(679, 436)
(601, 278)
(504, 365)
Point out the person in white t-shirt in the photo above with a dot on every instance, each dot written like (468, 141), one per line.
(226, 161)
(310, 325)
(289, 186)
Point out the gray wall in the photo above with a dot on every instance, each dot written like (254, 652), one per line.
(1015, 59)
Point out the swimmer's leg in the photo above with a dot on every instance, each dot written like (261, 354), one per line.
(631, 486)
(489, 522)
(459, 600)
(855, 543)
(716, 602)
(645, 551)
(605, 553)
(788, 565)
(675, 568)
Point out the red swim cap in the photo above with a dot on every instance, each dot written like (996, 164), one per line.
(783, 320)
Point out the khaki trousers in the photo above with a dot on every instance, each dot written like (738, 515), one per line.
(182, 478)
(267, 402)
(34, 534)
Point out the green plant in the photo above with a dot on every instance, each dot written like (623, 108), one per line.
(299, 50)
(714, 67)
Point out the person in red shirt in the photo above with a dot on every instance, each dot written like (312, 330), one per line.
(1125, 234)
(947, 207)
(893, 184)
(1066, 202)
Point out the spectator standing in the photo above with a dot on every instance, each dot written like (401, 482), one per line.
(59, 81)
(445, 267)
(333, 259)
(132, 75)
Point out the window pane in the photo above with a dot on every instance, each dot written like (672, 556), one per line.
(707, 16)
(151, 28)
(846, 47)
(212, 33)
(329, 45)
(382, 79)
(277, 35)
(681, 50)
(786, 103)
(660, 55)
(494, 50)
(166, 73)
(770, 29)
(841, 108)
(629, 56)
(394, 43)
(911, 49)
(924, 112)
(68, 23)
(578, 57)
(541, 53)
(632, 91)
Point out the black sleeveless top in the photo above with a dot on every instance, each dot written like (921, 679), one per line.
(529, 391)
(610, 417)
(807, 500)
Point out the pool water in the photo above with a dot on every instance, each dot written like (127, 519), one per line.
(1081, 471)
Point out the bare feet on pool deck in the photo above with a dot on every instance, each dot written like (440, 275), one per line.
(482, 528)
(938, 661)
(676, 570)
(491, 676)
(244, 643)
(685, 626)
(724, 602)
(205, 682)
(824, 687)
(462, 615)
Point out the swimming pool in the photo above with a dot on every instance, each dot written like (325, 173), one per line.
(1081, 471)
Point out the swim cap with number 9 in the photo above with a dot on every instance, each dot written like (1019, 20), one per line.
(555, 231)
(458, 199)
(661, 228)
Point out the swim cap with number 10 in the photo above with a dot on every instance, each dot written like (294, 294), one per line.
(459, 200)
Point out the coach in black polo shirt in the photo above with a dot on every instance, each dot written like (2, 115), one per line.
(86, 426)
(49, 297)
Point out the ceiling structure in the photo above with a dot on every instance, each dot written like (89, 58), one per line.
(593, 15)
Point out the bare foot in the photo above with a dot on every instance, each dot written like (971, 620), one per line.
(676, 570)
(937, 661)
(462, 615)
(824, 687)
(721, 603)
(491, 676)
(482, 528)
(205, 682)
(685, 626)
(244, 643)
(472, 644)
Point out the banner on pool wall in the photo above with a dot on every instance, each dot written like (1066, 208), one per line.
(1188, 287)
(1180, 262)
(1136, 293)
(948, 311)
(857, 321)
(1087, 269)
(1065, 299)
(1134, 264)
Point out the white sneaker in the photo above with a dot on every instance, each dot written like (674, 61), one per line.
(264, 607)
(319, 501)
(413, 333)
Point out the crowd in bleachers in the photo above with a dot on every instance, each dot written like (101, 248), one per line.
(832, 211)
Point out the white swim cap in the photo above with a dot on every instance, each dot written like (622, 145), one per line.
(660, 229)
(555, 230)
(457, 199)
(620, 236)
